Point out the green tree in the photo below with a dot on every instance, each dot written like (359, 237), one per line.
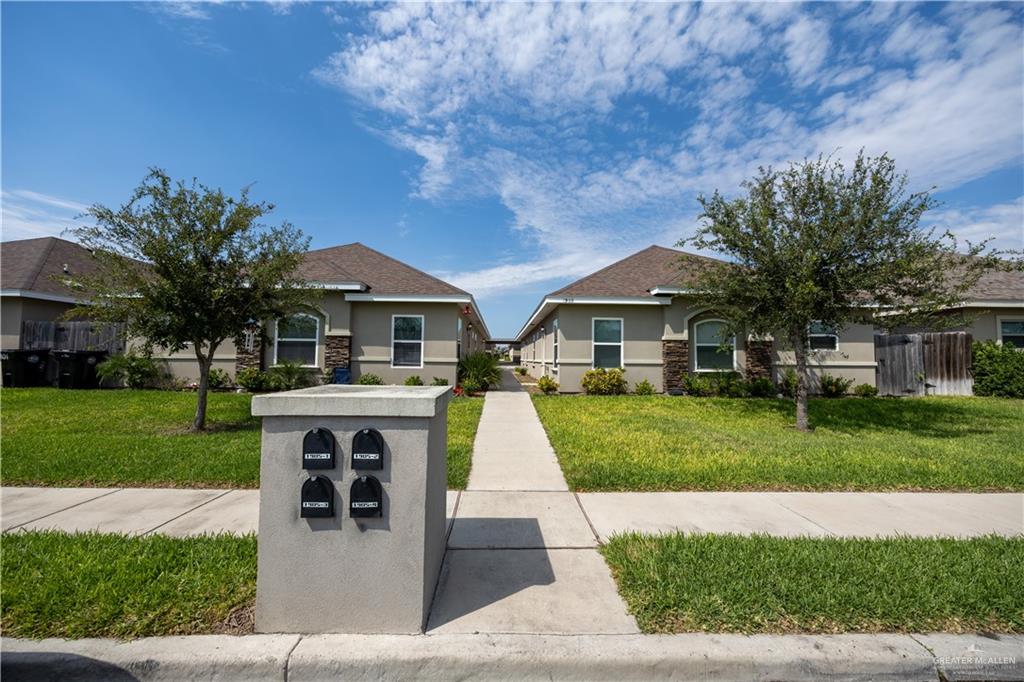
(820, 243)
(184, 265)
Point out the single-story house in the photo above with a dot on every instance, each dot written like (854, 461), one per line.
(34, 275)
(372, 314)
(638, 314)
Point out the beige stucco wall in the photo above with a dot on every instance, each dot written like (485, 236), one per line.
(14, 310)
(646, 326)
(10, 323)
(641, 352)
(982, 324)
(371, 340)
(854, 359)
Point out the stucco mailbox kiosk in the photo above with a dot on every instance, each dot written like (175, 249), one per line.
(352, 508)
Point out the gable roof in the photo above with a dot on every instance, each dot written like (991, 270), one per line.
(38, 265)
(381, 274)
(999, 285)
(636, 275)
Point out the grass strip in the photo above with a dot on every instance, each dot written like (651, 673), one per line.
(54, 437)
(760, 584)
(463, 419)
(624, 443)
(96, 585)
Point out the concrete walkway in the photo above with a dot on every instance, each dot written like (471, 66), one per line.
(511, 450)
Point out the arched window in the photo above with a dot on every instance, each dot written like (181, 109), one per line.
(713, 350)
(296, 338)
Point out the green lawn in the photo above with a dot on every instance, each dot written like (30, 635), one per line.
(729, 583)
(463, 418)
(676, 443)
(91, 585)
(96, 438)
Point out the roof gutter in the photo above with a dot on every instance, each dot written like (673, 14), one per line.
(40, 296)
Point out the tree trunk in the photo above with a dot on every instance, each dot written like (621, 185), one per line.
(199, 423)
(800, 354)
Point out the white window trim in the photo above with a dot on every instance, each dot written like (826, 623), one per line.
(391, 348)
(818, 350)
(696, 367)
(316, 339)
(621, 344)
(999, 325)
(554, 345)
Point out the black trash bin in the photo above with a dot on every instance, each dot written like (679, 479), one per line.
(24, 368)
(77, 369)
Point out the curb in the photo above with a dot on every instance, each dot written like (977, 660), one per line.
(298, 658)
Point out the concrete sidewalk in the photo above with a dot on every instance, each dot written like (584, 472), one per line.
(520, 657)
(542, 519)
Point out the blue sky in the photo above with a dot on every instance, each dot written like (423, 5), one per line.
(508, 148)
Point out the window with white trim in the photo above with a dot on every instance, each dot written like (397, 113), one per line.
(296, 338)
(554, 350)
(607, 342)
(1011, 333)
(822, 337)
(713, 350)
(406, 340)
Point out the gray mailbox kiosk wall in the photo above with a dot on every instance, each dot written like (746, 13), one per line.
(340, 574)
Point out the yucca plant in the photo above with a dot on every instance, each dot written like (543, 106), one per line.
(479, 369)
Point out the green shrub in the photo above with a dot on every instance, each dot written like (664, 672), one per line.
(521, 371)
(218, 378)
(865, 391)
(698, 385)
(787, 386)
(135, 369)
(439, 381)
(254, 380)
(761, 387)
(998, 370)
(834, 387)
(480, 369)
(287, 376)
(601, 381)
(547, 384)
(728, 385)
(471, 385)
(414, 380)
(644, 388)
(369, 380)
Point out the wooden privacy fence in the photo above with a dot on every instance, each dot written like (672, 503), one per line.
(936, 363)
(76, 335)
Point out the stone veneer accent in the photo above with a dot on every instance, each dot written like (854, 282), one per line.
(675, 363)
(759, 359)
(337, 352)
(245, 359)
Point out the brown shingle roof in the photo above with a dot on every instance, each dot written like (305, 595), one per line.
(999, 286)
(38, 264)
(636, 275)
(382, 274)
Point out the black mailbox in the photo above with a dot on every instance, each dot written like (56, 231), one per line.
(318, 450)
(368, 450)
(317, 498)
(365, 498)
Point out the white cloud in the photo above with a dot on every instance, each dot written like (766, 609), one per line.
(518, 101)
(807, 45)
(182, 10)
(27, 214)
(1002, 223)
